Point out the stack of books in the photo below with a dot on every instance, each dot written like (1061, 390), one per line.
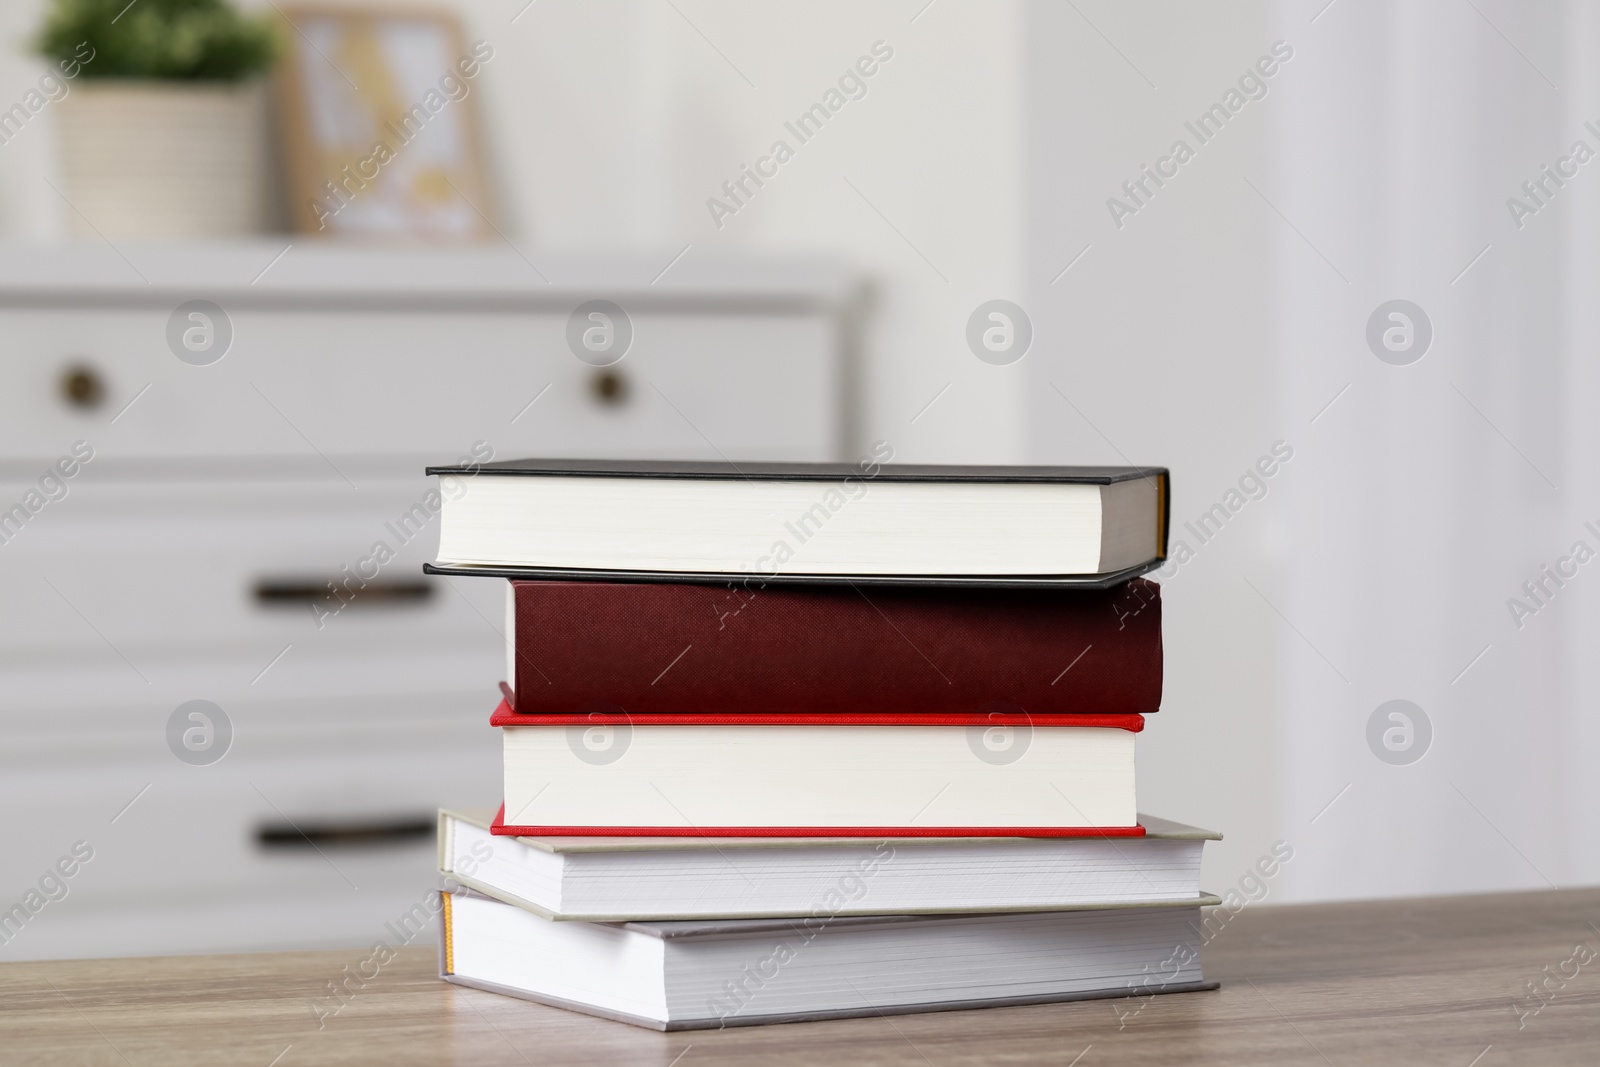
(789, 742)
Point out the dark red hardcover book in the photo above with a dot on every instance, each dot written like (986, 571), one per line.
(676, 649)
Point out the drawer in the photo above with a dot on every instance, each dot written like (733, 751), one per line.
(424, 385)
(234, 569)
(229, 831)
(233, 825)
(218, 849)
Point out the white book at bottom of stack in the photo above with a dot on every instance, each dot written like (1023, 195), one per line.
(683, 933)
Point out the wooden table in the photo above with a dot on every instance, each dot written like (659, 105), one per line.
(1430, 981)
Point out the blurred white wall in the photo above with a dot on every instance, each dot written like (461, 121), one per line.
(1229, 312)
(1432, 491)
(1225, 315)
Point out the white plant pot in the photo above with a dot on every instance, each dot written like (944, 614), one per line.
(159, 160)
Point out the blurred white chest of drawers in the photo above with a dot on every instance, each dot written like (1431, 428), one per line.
(258, 422)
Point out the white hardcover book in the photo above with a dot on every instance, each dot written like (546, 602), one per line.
(609, 879)
(701, 974)
(810, 777)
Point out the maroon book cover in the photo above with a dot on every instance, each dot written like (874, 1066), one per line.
(676, 649)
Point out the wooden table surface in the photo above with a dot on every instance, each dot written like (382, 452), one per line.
(1425, 981)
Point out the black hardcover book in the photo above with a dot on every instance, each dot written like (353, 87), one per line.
(752, 523)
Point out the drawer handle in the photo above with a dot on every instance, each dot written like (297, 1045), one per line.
(407, 830)
(275, 593)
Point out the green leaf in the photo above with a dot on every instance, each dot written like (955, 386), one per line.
(172, 40)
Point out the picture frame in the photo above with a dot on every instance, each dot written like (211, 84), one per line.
(380, 124)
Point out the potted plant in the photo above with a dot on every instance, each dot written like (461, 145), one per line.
(163, 131)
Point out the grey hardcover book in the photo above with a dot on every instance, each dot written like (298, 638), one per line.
(605, 879)
(715, 973)
(870, 522)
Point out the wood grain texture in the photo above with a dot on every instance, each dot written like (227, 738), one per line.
(1427, 981)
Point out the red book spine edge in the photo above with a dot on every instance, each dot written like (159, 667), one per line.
(499, 828)
(504, 716)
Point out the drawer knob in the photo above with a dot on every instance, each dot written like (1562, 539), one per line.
(82, 386)
(609, 387)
